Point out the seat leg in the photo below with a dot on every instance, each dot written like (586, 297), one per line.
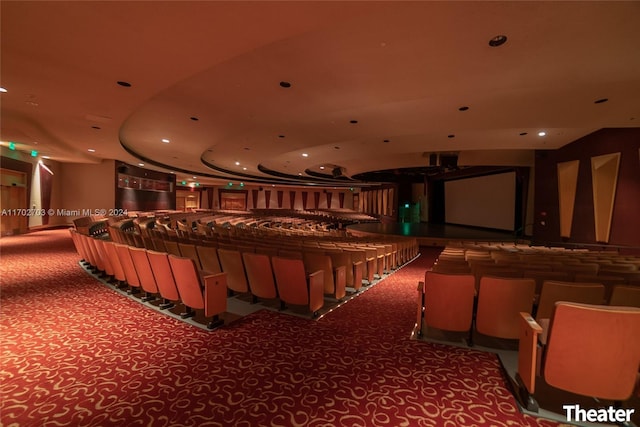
(187, 313)
(524, 397)
(215, 322)
(166, 304)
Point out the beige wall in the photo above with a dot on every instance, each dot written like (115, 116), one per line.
(86, 186)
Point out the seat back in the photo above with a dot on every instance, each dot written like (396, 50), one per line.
(159, 262)
(260, 275)
(231, 263)
(627, 296)
(314, 261)
(449, 301)
(291, 280)
(593, 350)
(500, 301)
(587, 293)
(106, 260)
(127, 265)
(208, 256)
(187, 280)
(189, 250)
(112, 253)
(143, 268)
(172, 247)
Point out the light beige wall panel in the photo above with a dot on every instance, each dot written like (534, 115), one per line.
(604, 176)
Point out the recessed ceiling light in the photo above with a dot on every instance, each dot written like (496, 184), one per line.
(244, 169)
(321, 167)
(195, 177)
(237, 163)
(353, 122)
(194, 118)
(463, 108)
(91, 150)
(523, 133)
(336, 147)
(451, 136)
(542, 133)
(165, 140)
(285, 84)
(600, 101)
(247, 149)
(3, 90)
(305, 155)
(124, 84)
(498, 40)
(46, 157)
(300, 173)
(140, 164)
(386, 141)
(96, 127)
(280, 136)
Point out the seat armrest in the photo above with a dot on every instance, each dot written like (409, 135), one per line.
(528, 351)
(215, 294)
(316, 291)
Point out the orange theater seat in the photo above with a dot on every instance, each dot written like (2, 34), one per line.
(208, 293)
(294, 287)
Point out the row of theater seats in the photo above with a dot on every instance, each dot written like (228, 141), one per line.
(360, 257)
(174, 279)
(540, 264)
(298, 277)
(567, 334)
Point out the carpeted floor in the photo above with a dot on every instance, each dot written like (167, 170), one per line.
(76, 353)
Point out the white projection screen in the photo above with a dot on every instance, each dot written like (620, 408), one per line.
(487, 201)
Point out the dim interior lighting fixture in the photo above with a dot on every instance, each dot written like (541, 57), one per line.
(91, 150)
(165, 140)
(3, 90)
(305, 155)
(244, 169)
(237, 163)
(141, 164)
(542, 133)
(322, 168)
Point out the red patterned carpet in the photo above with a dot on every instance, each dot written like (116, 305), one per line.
(76, 353)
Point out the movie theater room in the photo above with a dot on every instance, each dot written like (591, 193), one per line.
(320, 213)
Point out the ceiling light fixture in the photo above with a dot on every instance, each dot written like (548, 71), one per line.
(386, 141)
(498, 40)
(237, 163)
(321, 167)
(305, 155)
(523, 133)
(91, 150)
(451, 136)
(96, 127)
(3, 90)
(244, 169)
(353, 122)
(280, 136)
(194, 118)
(141, 164)
(285, 84)
(165, 140)
(124, 84)
(542, 133)
(601, 100)
(463, 108)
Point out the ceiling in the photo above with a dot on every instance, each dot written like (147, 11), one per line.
(207, 76)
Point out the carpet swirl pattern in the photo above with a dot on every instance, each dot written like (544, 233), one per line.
(76, 353)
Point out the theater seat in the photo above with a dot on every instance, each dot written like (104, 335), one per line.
(500, 300)
(208, 293)
(585, 293)
(592, 350)
(335, 279)
(145, 273)
(231, 263)
(259, 275)
(167, 288)
(627, 296)
(295, 288)
(448, 301)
